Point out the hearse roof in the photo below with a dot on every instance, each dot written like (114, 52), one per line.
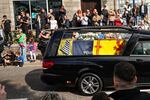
(106, 29)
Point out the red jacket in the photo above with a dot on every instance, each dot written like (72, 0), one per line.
(118, 22)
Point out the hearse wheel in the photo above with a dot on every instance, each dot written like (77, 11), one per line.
(90, 83)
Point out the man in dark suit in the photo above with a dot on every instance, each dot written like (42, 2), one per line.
(65, 22)
(6, 26)
(105, 15)
(143, 10)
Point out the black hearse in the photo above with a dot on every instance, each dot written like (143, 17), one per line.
(85, 57)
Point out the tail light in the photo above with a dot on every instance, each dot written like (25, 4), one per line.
(48, 64)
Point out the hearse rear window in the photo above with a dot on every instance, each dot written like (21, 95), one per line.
(92, 43)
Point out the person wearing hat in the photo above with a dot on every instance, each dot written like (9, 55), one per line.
(125, 78)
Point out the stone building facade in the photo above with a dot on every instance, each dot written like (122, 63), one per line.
(71, 6)
(7, 7)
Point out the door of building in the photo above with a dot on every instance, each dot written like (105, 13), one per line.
(91, 4)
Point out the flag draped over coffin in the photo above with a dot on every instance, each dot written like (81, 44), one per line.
(81, 47)
(107, 47)
(65, 47)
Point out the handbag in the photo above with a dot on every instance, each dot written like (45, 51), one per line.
(21, 45)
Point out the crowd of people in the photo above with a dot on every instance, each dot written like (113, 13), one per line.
(128, 16)
(136, 16)
(29, 41)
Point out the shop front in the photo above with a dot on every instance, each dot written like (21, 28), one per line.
(33, 7)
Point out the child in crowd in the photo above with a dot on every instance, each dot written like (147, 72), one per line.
(9, 58)
(19, 61)
(31, 47)
(141, 25)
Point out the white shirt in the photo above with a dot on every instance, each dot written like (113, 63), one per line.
(53, 24)
(84, 20)
(128, 9)
(142, 9)
(1, 35)
(39, 20)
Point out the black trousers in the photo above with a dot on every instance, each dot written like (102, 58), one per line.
(8, 36)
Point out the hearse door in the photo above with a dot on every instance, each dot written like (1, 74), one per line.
(140, 57)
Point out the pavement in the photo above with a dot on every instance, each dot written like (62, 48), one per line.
(37, 62)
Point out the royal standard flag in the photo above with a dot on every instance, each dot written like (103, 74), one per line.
(107, 47)
(65, 47)
(81, 47)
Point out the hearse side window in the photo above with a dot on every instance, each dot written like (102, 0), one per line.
(138, 49)
(79, 43)
(142, 48)
(146, 48)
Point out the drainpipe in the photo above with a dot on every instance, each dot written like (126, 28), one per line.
(47, 6)
(30, 14)
(115, 5)
(133, 2)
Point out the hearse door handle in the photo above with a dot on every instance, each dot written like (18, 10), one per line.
(139, 60)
